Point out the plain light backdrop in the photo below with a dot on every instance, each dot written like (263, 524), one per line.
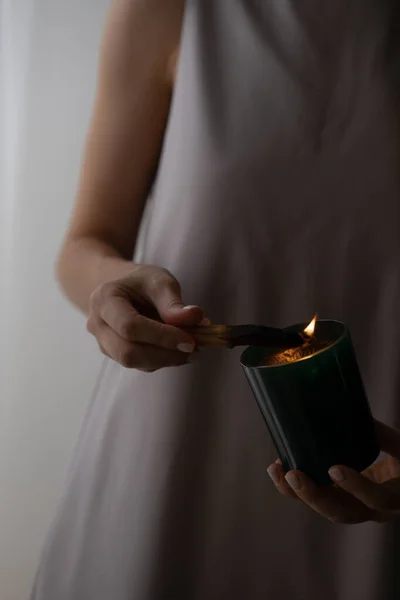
(48, 60)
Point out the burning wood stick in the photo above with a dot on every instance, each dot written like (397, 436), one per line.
(229, 336)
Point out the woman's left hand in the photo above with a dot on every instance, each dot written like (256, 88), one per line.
(373, 495)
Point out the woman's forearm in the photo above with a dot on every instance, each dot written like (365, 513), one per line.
(85, 263)
(124, 144)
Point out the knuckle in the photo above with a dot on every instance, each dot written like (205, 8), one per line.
(166, 275)
(163, 360)
(161, 278)
(90, 327)
(93, 300)
(164, 336)
(102, 349)
(336, 520)
(127, 358)
(127, 328)
(93, 324)
(149, 369)
(106, 290)
(332, 519)
(99, 295)
(281, 489)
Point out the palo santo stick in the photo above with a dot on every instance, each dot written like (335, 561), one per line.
(229, 336)
(216, 336)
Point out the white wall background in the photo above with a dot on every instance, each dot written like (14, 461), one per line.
(48, 53)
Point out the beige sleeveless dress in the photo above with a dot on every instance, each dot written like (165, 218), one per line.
(277, 196)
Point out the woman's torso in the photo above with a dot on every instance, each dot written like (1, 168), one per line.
(277, 196)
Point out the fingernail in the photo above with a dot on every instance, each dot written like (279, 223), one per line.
(336, 474)
(205, 322)
(293, 481)
(189, 306)
(188, 348)
(178, 307)
(274, 476)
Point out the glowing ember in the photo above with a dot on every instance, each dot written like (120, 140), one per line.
(310, 329)
(313, 343)
(288, 356)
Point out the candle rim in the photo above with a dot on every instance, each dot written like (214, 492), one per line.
(294, 362)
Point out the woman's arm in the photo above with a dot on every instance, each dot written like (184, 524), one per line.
(124, 142)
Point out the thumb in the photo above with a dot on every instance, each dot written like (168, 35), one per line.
(166, 296)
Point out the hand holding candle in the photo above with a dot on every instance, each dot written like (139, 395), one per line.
(309, 389)
(373, 495)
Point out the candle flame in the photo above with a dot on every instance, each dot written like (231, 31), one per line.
(309, 330)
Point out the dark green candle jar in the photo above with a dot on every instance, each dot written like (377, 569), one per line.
(314, 402)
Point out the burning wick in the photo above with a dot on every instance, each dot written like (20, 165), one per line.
(310, 329)
(310, 346)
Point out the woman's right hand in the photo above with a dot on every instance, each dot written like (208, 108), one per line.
(136, 319)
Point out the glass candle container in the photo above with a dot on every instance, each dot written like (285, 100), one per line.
(314, 402)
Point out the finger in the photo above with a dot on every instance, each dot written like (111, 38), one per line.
(383, 470)
(330, 502)
(277, 474)
(164, 291)
(378, 497)
(389, 438)
(378, 472)
(92, 325)
(393, 467)
(103, 350)
(137, 356)
(120, 315)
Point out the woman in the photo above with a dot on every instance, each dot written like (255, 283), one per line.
(266, 133)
